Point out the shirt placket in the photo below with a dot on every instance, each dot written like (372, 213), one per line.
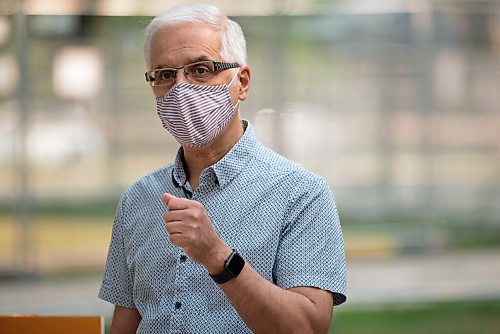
(179, 302)
(184, 264)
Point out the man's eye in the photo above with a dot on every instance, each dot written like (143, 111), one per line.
(201, 70)
(166, 75)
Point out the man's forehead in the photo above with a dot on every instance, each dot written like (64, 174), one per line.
(188, 33)
(187, 43)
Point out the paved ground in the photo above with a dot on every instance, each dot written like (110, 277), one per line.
(434, 277)
(407, 279)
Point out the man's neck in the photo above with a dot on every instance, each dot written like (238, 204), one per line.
(197, 159)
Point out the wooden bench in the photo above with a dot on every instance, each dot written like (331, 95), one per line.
(34, 324)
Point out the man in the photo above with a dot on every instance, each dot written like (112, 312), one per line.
(230, 237)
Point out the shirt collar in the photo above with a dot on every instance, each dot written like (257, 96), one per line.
(227, 168)
(179, 176)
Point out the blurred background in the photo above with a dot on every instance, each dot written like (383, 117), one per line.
(395, 102)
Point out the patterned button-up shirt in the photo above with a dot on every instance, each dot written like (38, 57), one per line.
(281, 218)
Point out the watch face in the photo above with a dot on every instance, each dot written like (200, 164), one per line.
(235, 264)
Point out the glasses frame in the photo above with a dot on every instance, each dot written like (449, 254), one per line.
(218, 67)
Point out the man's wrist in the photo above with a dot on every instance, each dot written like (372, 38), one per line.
(215, 265)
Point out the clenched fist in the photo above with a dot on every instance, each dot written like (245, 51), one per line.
(190, 228)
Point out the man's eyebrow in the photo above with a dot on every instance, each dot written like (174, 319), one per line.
(190, 61)
(200, 58)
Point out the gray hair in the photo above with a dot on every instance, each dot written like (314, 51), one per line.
(233, 45)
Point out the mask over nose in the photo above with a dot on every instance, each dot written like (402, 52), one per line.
(196, 114)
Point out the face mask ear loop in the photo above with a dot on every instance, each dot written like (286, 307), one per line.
(234, 77)
(236, 105)
(229, 85)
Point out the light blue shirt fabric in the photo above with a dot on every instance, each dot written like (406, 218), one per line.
(281, 218)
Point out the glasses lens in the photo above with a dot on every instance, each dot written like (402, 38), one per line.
(163, 76)
(200, 72)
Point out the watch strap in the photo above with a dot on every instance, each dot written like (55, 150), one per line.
(233, 266)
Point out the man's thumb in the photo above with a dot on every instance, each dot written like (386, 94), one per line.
(167, 197)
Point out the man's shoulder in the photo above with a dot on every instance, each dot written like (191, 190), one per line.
(274, 164)
(274, 161)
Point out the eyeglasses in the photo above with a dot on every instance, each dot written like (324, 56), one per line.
(200, 73)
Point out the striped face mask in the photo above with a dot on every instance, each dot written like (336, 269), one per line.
(195, 114)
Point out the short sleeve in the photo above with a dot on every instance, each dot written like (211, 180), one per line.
(311, 249)
(117, 286)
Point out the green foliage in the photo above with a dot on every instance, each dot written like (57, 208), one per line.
(440, 318)
(71, 207)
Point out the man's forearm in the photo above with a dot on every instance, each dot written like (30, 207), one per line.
(267, 308)
(125, 320)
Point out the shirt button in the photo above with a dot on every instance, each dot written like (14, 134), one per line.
(178, 305)
(183, 258)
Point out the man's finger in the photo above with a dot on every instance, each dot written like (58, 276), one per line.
(174, 215)
(174, 227)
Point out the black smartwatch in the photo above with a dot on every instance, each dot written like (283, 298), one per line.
(232, 268)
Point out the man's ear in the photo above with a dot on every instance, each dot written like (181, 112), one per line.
(244, 79)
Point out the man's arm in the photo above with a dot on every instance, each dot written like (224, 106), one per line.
(125, 320)
(267, 308)
(263, 306)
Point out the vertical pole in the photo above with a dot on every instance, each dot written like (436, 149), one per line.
(23, 263)
(279, 79)
(423, 29)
